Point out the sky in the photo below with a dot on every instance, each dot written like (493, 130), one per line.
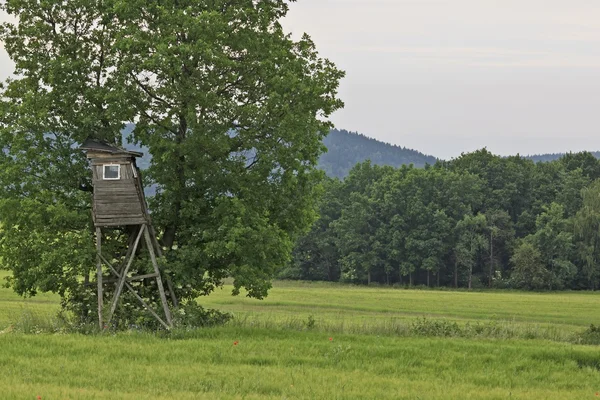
(451, 76)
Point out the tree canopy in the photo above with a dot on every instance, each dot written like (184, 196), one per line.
(232, 109)
(477, 221)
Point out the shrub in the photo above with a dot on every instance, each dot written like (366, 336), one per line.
(193, 316)
(590, 336)
(425, 327)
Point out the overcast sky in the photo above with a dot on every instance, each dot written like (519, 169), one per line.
(451, 76)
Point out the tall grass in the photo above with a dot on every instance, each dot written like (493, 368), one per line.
(255, 363)
(317, 342)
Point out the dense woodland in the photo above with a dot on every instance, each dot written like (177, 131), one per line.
(477, 221)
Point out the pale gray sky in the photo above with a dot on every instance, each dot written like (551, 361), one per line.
(451, 76)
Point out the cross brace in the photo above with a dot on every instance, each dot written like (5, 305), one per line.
(123, 280)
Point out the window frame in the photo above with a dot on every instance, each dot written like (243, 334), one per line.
(111, 165)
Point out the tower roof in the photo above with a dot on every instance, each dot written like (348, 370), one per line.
(103, 147)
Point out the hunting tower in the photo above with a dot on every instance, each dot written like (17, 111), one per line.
(119, 201)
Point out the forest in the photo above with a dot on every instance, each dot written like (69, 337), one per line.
(477, 221)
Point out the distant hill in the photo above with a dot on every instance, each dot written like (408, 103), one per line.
(554, 156)
(346, 149)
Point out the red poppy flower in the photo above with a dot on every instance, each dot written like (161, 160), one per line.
(39, 398)
(331, 339)
(235, 343)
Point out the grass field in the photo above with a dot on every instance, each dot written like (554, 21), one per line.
(347, 354)
(352, 306)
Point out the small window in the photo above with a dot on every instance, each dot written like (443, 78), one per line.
(112, 172)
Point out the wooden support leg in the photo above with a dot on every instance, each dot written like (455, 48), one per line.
(99, 275)
(121, 282)
(159, 253)
(137, 296)
(161, 289)
(130, 243)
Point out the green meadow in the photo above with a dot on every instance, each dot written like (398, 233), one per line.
(320, 341)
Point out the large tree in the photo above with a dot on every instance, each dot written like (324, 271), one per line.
(232, 109)
(587, 233)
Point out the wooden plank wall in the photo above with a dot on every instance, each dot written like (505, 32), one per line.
(117, 202)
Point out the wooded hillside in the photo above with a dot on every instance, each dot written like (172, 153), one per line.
(346, 149)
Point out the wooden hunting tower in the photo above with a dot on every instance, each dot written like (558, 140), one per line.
(119, 201)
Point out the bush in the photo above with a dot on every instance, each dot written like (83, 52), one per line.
(425, 327)
(193, 316)
(590, 336)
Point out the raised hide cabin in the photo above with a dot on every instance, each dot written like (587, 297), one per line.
(118, 198)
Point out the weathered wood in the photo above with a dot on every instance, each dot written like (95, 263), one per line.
(133, 278)
(99, 275)
(110, 193)
(107, 210)
(110, 217)
(115, 189)
(109, 198)
(132, 210)
(161, 289)
(117, 294)
(126, 167)
(115, 222)
(117, 196)
(142, 277)
(115, 186)
(132, 290)
(121, 202)
(119, 216)
(168, 278)
(130, 243)
(118, 202)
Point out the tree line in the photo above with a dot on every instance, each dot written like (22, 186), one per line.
(480, 220)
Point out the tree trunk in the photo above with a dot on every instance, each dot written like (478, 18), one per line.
(369, 277)
(428, 273)
(410, 279)
(455, 273)
(470, 276)
(168, 238)
(438, 279)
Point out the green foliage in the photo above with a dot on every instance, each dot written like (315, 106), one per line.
(591, 336)
(529, 271)
(460, 223)
(471, 242)
(425, 327)
(587, 229)
(192, 316)
(231, 108)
